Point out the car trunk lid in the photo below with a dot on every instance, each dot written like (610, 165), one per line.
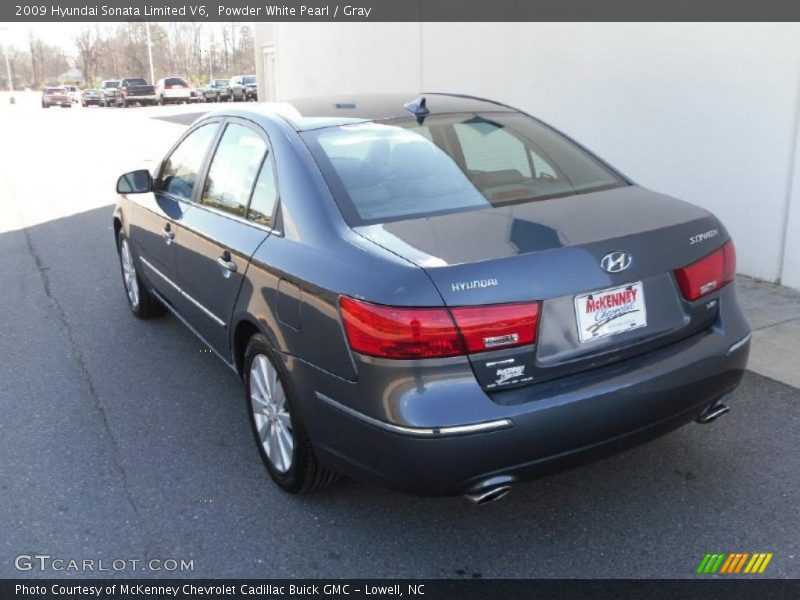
(551, 251)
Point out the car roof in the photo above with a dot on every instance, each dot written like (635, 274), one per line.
(304, 114)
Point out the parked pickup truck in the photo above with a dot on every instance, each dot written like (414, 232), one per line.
(56, 96)
(134, 89)
(108, 90)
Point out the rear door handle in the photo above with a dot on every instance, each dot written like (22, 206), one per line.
(226, 263)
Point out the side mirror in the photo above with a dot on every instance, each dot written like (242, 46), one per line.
(135, 182)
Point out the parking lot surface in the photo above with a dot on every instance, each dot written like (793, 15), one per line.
(122, 439)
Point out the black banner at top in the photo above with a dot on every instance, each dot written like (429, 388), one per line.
(399, 10)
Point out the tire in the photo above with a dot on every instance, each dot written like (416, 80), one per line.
(142, 303)
(301, 472)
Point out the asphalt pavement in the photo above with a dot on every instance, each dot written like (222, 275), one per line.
(121, 439)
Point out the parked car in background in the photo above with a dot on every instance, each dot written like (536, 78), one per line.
(173, 90)
(74, 93)
(196, 95)
(448, 296)
(56, 96)
(216, 90)
(133, 90)
(243, 87)
(90, 98)
(108, 90)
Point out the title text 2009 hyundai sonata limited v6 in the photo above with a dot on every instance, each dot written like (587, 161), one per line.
(439, 293)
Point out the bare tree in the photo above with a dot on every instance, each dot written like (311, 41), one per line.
(89, 47)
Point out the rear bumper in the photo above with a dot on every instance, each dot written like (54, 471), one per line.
(183, 94)
(142, 98)
(532, 431)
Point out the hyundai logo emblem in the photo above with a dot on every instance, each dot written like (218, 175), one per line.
(614, 262)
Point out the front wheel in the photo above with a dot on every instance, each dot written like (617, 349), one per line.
(141, 302)
(277, 425)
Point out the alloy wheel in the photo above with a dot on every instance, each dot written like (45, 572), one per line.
(271, 413)
(129, 274)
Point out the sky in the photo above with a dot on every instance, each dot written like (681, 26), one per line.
(57, 34)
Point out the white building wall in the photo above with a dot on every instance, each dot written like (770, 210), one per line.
(707, 112)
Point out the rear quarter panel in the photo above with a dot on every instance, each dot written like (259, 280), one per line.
(319, 254)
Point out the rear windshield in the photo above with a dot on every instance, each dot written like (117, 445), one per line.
(173, 81)
(135, 81)
(249, 79)
(220, 82)
(398, 169)
(108, 84)
(54, 91)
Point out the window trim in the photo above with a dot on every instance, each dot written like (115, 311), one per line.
(203, 174)
(199, 195)
(203, 163)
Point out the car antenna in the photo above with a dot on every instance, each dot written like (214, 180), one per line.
(418, 109)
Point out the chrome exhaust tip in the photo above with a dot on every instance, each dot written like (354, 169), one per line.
(490, 491)
(712, 413)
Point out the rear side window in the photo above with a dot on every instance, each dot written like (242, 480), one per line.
(234, 169)
(398, 169)
(265, 195)
(180, 171)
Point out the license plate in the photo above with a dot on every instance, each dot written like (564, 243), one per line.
(610, 311)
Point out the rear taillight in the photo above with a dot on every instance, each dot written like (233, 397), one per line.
(500, 326)
(393, 332)
(167, 86)
(708, 274)
(403, 333)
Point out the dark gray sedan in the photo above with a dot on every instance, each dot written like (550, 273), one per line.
(438, 293)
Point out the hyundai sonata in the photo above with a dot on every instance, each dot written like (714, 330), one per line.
(438, 293)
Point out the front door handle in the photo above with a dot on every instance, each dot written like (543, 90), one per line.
(226, 263)
(168, 234)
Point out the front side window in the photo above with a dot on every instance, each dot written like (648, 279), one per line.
(180, 171)
(234, 169)
(398, 169)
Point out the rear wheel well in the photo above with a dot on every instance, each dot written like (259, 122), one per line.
(241, 336)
